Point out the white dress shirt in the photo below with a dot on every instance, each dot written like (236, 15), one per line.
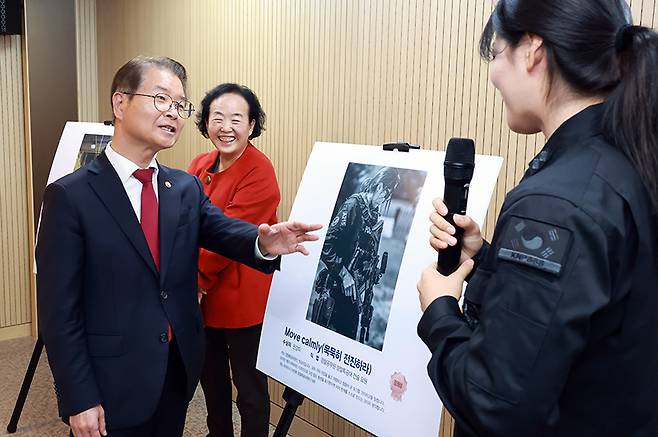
(125, 169)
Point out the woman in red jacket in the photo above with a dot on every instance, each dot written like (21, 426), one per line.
(240, 180)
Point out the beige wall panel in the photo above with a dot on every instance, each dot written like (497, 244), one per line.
(15, 301)
(86, 56)
(355, 71)
(345, 71)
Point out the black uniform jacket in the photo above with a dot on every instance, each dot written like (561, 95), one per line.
(560, 331)
(104, 307)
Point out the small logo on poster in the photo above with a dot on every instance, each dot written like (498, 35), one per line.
(398, 386)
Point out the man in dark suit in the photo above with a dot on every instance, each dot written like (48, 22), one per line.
(117, 266)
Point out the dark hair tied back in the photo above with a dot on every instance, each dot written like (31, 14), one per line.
(623, 38)
(592, 46)
(631, 116)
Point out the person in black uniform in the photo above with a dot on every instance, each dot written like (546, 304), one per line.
(349, 264)
(558, 333)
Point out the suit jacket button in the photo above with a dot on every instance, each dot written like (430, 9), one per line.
(163, 337)
(163, 294)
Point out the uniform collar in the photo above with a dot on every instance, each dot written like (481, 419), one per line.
(583, 125)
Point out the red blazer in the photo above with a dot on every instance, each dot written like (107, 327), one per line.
(236, 294)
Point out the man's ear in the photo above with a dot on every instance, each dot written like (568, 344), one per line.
(535, 51)
(118, 105)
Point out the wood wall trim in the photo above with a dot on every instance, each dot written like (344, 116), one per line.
(15, 296)
(15, 331)
(31, 236)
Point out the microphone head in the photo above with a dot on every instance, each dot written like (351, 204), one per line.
(461, 150)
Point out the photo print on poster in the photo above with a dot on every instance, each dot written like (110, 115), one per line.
(362, 252)
(92, 145)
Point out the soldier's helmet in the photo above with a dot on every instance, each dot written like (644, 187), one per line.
(389, 177)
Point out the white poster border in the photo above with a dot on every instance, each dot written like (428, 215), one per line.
(69, 146)
(394, 396)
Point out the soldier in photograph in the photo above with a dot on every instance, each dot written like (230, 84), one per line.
(350, 265)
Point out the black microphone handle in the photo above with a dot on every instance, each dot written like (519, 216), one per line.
(455, 198)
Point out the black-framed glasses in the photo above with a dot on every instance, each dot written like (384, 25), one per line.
(163, 103)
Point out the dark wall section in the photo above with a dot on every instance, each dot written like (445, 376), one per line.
(10, 17)
(51, 57)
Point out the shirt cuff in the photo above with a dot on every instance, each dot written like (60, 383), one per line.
(259, 255)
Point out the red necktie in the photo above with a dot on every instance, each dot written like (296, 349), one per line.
(149, 217)
(149, 214)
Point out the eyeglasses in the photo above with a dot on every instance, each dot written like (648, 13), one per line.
(163, 103)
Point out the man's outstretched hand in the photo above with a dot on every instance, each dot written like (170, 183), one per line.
(286, 237)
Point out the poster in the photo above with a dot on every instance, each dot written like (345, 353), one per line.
(340, 324)
(365, 240)
(79, 144)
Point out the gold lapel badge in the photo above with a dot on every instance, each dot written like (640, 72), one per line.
(207, 180)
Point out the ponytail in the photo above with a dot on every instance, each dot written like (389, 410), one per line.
(631, 117)
(594, 48)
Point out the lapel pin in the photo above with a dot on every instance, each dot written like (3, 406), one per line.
(167, 184)
(207, 180)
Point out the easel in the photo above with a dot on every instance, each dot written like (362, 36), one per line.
(25, 387)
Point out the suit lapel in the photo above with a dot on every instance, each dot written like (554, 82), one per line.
(169, 204)
(108, 187)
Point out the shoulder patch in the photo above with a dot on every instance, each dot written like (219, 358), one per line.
(535, 244)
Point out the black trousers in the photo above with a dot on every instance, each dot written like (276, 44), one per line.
(234, 351)
(169, 417)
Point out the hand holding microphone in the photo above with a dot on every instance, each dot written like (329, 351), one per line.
(442, 232)
(457, 172)
(454, 235)
(433, 285)
(443, 237)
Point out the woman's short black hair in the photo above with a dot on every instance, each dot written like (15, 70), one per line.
(256, 112)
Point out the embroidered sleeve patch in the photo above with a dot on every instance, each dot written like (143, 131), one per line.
(535, 244)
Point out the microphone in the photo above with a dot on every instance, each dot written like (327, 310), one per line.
(457, 172)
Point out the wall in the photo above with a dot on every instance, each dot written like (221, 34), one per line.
(38, 94)
(51, 79)
(356, 71)
(15, 265)
(87, 60)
